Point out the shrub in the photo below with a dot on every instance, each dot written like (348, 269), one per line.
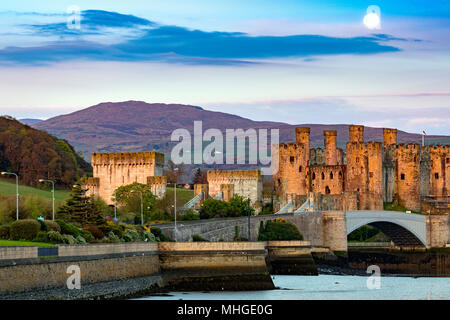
(133, 234)
(41, 237)
(67, 228)
(95, 231)
(80, 240)
(43, 225)
(24, 229)
(190, 215)
(52, 226)
(279, 230)
(113, 237)
(4, 232)
(68, 239)
(267, 209)
(149, 237)
(238, 206)
(213, 208)
(55, 237)
(86, 235)
(197, 238)
(159, 235)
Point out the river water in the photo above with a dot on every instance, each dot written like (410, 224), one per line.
(335, 287)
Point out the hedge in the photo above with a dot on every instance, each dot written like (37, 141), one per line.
(67, 228)
(52, 226)
(4, 232)
(27, 229)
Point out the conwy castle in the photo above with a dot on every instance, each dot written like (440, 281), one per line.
(367, 174)
(362, 177)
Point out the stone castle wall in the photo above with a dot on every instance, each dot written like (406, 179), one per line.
(246, 183)
(113, 170)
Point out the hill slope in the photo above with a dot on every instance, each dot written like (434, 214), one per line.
(35, 154)
(140, 126)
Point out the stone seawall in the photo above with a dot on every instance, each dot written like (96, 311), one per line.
(215, 266)
(130, 269)
(51, 273)
(290, 258)
(434, 262)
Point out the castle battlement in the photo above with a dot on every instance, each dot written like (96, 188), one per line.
(444, 149)
(290, 146)
(230, 174)
(127, 158)
(160, 180)
(410, 146)
(91, 181)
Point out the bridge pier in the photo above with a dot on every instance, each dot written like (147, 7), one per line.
(438, 233)
(334, 230)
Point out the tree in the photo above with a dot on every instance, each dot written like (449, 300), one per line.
(279, 229)
(199, 177)
(76, 208)
(130, 201)
(172, 172)
(238, 206)
(213, 208)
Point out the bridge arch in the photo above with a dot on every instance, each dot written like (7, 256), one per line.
(402, 228)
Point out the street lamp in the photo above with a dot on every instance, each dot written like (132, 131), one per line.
(53, 195)
(17, 191)
(115, 203)
(175, 204)
(142, 206)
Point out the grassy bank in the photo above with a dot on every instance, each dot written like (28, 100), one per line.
(25, 243)
(183, 195)
(8, 187)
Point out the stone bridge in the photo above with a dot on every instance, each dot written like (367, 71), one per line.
(325, 228)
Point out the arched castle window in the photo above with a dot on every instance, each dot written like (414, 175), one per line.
(314, 176)
(331, 175)
(323, 176)
(327, 190)
(402, 176)
(340, 174)
(291, 159)
(300, 169)
(357, 159)
(436, 175)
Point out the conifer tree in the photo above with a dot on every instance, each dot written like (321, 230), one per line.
(76, 208)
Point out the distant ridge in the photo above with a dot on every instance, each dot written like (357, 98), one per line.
(140, 126)
(30, 122)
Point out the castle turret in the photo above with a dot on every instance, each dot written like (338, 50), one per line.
(389, 136)
(302, 136)
(408, 176)
(330, 147)
(356, 133)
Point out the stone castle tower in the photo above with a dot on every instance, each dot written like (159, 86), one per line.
(113, 170)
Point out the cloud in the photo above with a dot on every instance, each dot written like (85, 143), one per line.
(144, 40)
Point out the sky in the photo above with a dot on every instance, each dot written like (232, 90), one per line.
(288, 61)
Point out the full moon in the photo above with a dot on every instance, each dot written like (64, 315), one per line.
(372, 21)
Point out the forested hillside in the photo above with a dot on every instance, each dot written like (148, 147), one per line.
(35, 155)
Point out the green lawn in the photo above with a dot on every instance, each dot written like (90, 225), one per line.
(183, 195)
(7, 187)
(394, 207)
(25, 243)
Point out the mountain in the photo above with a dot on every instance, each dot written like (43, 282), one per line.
(140, 126)
(34, 155)
(30, 122)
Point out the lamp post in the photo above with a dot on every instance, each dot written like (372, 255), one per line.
(249, 234)
(175, 204)
(53, 195)
(17, 191)
(142, 206)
